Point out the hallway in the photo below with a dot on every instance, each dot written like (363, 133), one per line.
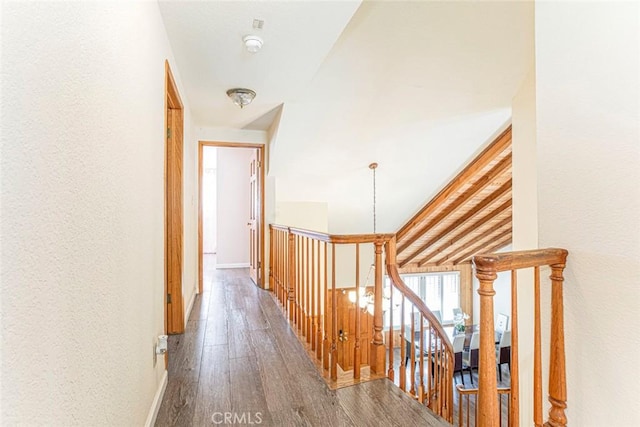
(238, 362)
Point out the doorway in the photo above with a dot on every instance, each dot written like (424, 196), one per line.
(251, 217)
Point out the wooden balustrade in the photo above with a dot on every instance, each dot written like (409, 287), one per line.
(303, 277)
(426, 354)
(468, 405)
(487, 267)
(303, 268)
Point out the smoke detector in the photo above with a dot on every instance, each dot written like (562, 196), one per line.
(252, 43)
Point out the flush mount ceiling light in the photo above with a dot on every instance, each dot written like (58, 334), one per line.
(252, 43)
(241, 96)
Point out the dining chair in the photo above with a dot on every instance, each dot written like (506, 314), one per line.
(470, 357)
(502, 323)
(503, 352)
(458, 347)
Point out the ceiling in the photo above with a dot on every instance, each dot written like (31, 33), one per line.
(419, 87)
(472, 214)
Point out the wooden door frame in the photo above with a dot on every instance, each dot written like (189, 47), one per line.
(261, 186)
(174, 321)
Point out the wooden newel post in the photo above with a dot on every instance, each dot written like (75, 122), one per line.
(557, 372)
(377, 345)
(291, 294)
(487, 387)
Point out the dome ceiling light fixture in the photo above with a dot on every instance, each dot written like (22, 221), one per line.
(253, 43)
(241, 96)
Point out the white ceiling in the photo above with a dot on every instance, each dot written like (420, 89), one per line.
(417, 86)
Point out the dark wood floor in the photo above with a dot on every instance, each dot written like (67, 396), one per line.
(238, 362)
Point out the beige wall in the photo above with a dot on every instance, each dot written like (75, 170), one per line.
(234, 196)
(588, 138)
(83, 211)
(525, 232)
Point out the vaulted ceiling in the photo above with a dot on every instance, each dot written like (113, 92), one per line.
(472, 214)
(420, 87)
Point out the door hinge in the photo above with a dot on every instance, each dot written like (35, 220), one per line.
(259, 164)
(168, 298)
(168, 133)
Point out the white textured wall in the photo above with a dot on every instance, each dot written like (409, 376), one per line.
(233, 206)
(209, 199)
(82, 211)
(525, 232)
(588, 113)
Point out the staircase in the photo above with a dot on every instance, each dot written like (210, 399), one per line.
(360, 338)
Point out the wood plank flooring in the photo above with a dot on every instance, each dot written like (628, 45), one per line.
(239, 362)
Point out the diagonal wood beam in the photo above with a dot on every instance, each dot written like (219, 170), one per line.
(489, 239)
(481, 161)
(501, 191)
(498, 245)
(460, 247)
(478, 186)
(476, 224)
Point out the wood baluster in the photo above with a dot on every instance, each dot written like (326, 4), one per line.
(356, 349)
(300, 298)
(557, 370)
(292, 277)
(421, 384)
(271, 255)
(334, 316)
(487, 410)
(377, 346)
(403, 349)
(390, 258)
(318, 307)
(314, 314)
(514, 368)
(308, 293)
(325, 305)
(390, 373)
(537, 352)
(413, 351)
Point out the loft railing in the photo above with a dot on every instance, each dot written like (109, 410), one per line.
(303, 266)
(487, 267)
(426, 353)
(302, 274)
(468, 407)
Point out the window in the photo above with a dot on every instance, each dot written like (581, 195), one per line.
(439, 291)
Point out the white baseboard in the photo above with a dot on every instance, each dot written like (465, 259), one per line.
(236, 265)
(187, 312)
(157, 401)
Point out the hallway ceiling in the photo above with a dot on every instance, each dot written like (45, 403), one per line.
(419, 87)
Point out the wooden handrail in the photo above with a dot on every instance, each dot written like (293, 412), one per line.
(520, 259)
(440, 398)
(487, 267)
(398, 283)
(341, 239)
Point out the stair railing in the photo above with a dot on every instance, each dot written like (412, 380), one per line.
(302, 275)
(487, 267)
(426, 352)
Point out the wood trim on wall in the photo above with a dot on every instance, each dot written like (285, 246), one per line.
(173, 210)
(261, 156)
